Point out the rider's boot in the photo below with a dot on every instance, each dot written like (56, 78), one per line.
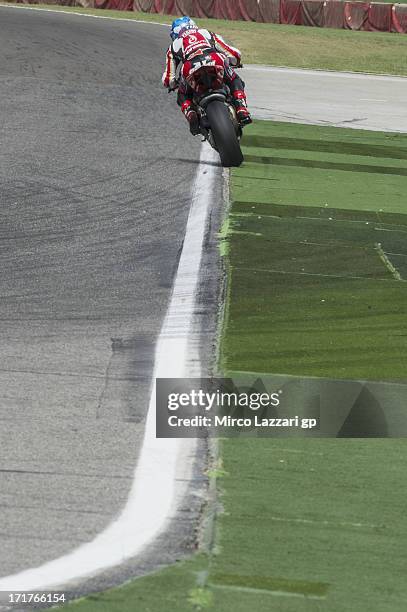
(241, 107)
(192, 117)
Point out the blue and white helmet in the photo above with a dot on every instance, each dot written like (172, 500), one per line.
(181, 24)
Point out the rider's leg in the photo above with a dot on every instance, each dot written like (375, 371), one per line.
(236, 86)
(185, 101)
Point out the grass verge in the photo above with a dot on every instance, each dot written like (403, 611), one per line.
(307, 525)
(315, 288)
(321, 212)
(295, 46)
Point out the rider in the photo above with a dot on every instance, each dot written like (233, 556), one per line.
(204, 42)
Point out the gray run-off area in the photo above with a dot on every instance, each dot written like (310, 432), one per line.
(340, 99)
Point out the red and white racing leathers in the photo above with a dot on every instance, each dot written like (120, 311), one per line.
(180, 55)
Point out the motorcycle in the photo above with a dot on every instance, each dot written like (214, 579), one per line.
(218, 120)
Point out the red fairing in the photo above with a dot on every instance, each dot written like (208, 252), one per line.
(197, 73)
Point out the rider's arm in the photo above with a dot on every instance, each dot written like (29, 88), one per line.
(169, 76)
(223, 47)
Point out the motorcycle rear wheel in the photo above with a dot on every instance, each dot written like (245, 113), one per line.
(224, 134)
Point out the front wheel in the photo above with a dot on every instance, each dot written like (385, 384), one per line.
(224, 134)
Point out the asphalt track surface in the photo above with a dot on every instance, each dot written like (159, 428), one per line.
(339, 99)
(96, 173)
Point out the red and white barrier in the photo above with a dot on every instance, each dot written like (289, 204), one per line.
(353, 15)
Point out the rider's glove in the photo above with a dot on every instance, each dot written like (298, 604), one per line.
(235, 62)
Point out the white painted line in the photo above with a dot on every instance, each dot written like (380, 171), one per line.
(152, 497)
(263, 592)
(385, 229)
(371, 76)
(49, 10)
(304, 521)
(286, 272)
(389, 265)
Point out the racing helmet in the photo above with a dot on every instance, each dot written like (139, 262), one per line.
(181, 24)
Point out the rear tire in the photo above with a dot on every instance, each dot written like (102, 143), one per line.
(224, 134)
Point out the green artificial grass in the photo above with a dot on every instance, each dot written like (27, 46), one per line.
(177, 588)
(314, 287)
(312, 525)
(295, 46)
